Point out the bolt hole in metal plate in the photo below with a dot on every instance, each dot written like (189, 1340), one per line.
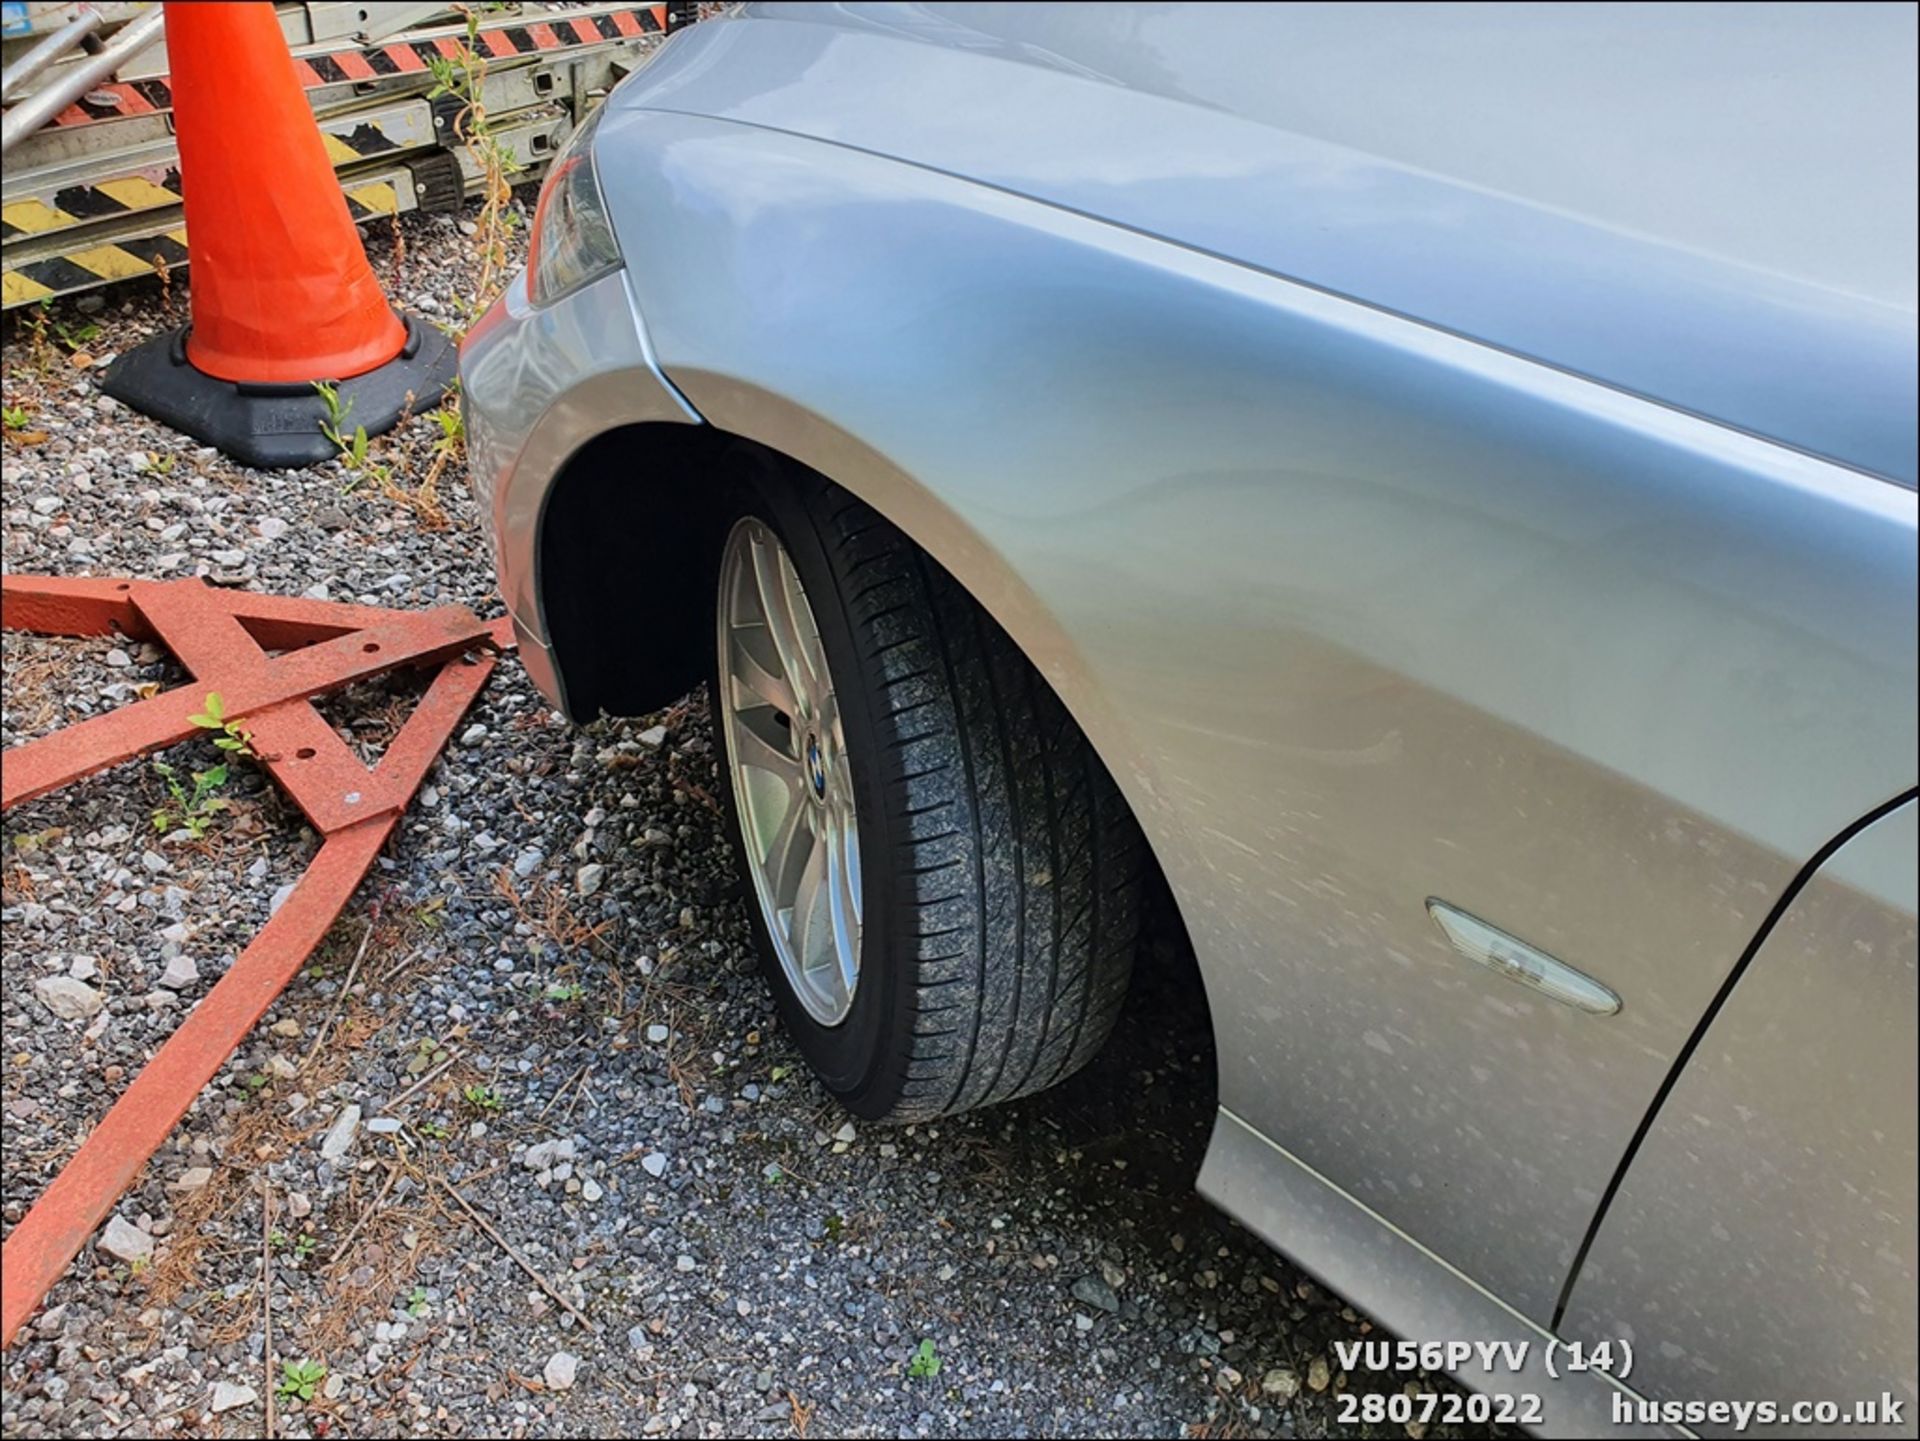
(792, 782)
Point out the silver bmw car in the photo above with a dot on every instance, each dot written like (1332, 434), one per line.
(1436, 484)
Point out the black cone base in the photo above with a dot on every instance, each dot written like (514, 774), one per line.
(272, 427)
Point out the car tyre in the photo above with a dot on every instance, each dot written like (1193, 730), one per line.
(989, 874)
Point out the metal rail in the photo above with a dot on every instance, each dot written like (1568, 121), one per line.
(73, 33)
(30, 114)
(93, 196)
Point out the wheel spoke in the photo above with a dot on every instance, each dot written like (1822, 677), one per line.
(850, 848)
(809, 900)
(762, 743)
(806, 634)
(777, 607)
(789, 852)
(756, 679)
(843, 906)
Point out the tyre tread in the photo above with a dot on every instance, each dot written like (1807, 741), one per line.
(987, 780)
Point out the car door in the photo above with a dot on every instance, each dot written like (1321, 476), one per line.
(1761, 1246)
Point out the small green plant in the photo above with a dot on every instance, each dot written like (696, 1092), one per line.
(565, 992)
(483, 1098)
(233, 738)
(73, 338)
(14, 420)
(337, 414)
(159, 463)
(925, 1362)
(302, 1246)
(835, 1224)
(192, 810)
(463, 76)
(417, 1303)
(427, 1052)
(448, 448)
(352, 445)
(300, 1379)
(779, 1073)
(434, 1130)
(453, 426)
(37, 332)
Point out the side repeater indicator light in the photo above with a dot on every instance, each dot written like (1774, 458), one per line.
(1513, 958)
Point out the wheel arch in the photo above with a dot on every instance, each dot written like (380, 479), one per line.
(627, 532)
(638, 513)
(632, 527)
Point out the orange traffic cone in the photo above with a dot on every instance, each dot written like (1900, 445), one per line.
(282, 294)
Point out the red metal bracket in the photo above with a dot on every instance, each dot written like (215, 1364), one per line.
(225, 638)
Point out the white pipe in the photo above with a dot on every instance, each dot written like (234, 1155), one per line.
(36, 110)
(49, 50)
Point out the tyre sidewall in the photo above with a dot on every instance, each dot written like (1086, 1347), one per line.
(860, 1060)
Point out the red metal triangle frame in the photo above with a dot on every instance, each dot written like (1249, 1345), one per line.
(224, 638)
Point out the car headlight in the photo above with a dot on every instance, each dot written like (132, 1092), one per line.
(572, 239)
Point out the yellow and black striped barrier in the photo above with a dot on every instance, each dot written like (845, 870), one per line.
(73, 224)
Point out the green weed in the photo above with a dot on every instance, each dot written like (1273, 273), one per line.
(192, 810)
(464, 77)
(300, 1379)
(233, 738)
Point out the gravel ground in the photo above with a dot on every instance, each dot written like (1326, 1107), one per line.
(537, 1036)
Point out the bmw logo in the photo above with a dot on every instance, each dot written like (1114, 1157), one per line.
(816, 767)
